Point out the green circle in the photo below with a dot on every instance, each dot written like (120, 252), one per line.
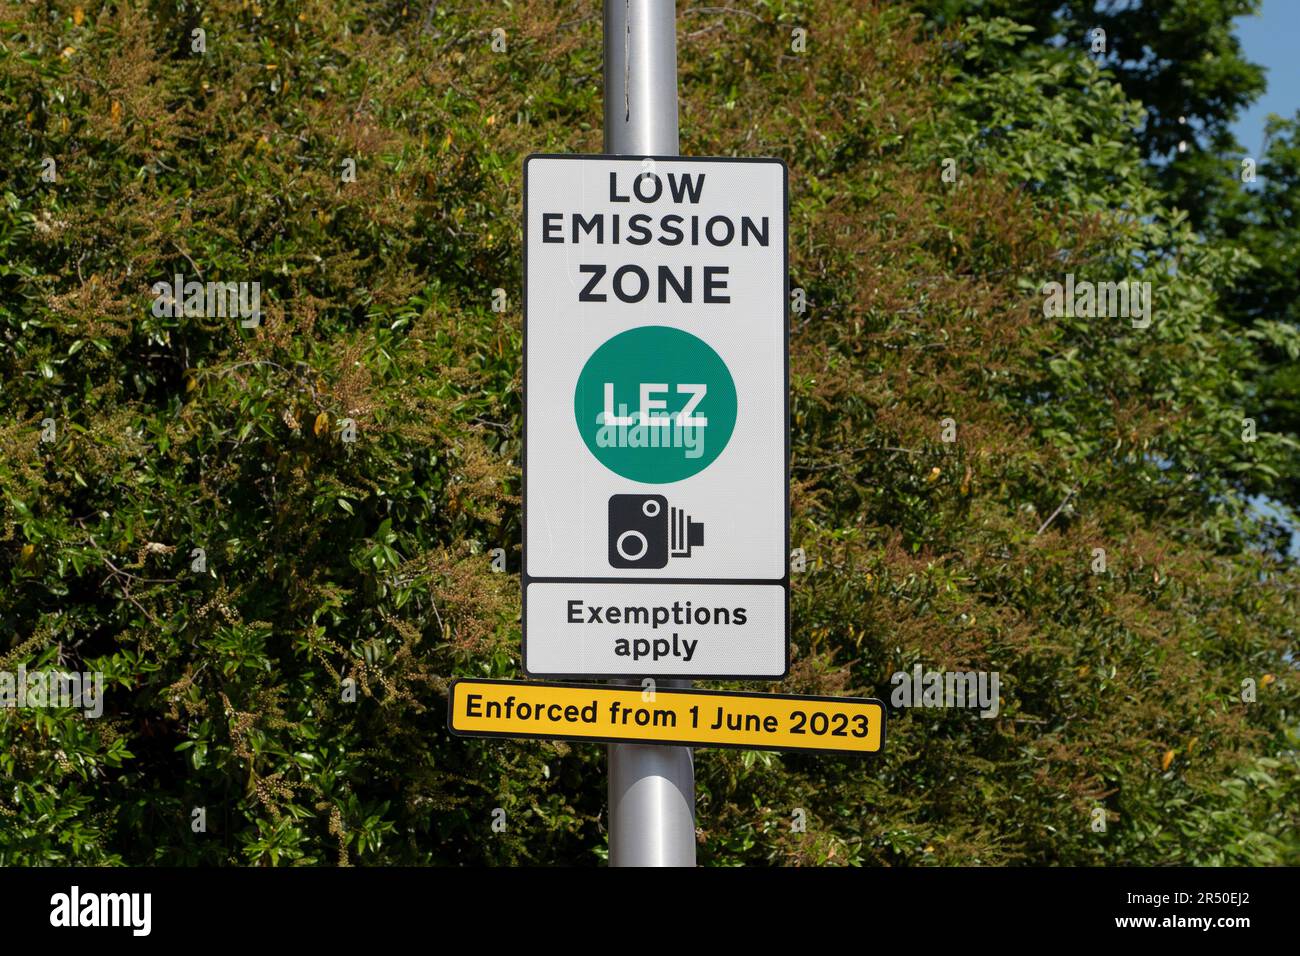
(691, 381)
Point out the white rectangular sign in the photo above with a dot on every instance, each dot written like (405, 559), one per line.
(656, 417)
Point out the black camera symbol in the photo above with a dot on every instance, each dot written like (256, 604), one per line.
(644, 532)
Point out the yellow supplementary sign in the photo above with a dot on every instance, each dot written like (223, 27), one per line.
(696, 718)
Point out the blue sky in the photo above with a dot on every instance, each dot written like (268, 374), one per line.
(1273, 41)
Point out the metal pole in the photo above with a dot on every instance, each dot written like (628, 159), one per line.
(641, 77)
(651, 788)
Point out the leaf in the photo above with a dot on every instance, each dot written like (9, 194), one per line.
(322, 424)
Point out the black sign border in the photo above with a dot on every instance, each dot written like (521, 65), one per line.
(524, 578)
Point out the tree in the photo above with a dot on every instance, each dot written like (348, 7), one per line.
(291, 683)
(1265, 220)
(1181, 60)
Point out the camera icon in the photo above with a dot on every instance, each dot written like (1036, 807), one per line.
(644, 532)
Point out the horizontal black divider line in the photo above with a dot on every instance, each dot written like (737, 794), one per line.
(778, 582)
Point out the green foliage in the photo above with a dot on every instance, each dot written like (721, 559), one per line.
(1265, 221)
(328, 561)
(1180, 59)
(1179, 68)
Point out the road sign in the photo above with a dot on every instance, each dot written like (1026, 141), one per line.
(696, 718)
(656, 523)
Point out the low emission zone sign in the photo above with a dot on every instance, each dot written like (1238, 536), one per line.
(656, 417)
(697, 718)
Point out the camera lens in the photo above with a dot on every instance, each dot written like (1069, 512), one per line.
(623, 553)
(638, 531)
